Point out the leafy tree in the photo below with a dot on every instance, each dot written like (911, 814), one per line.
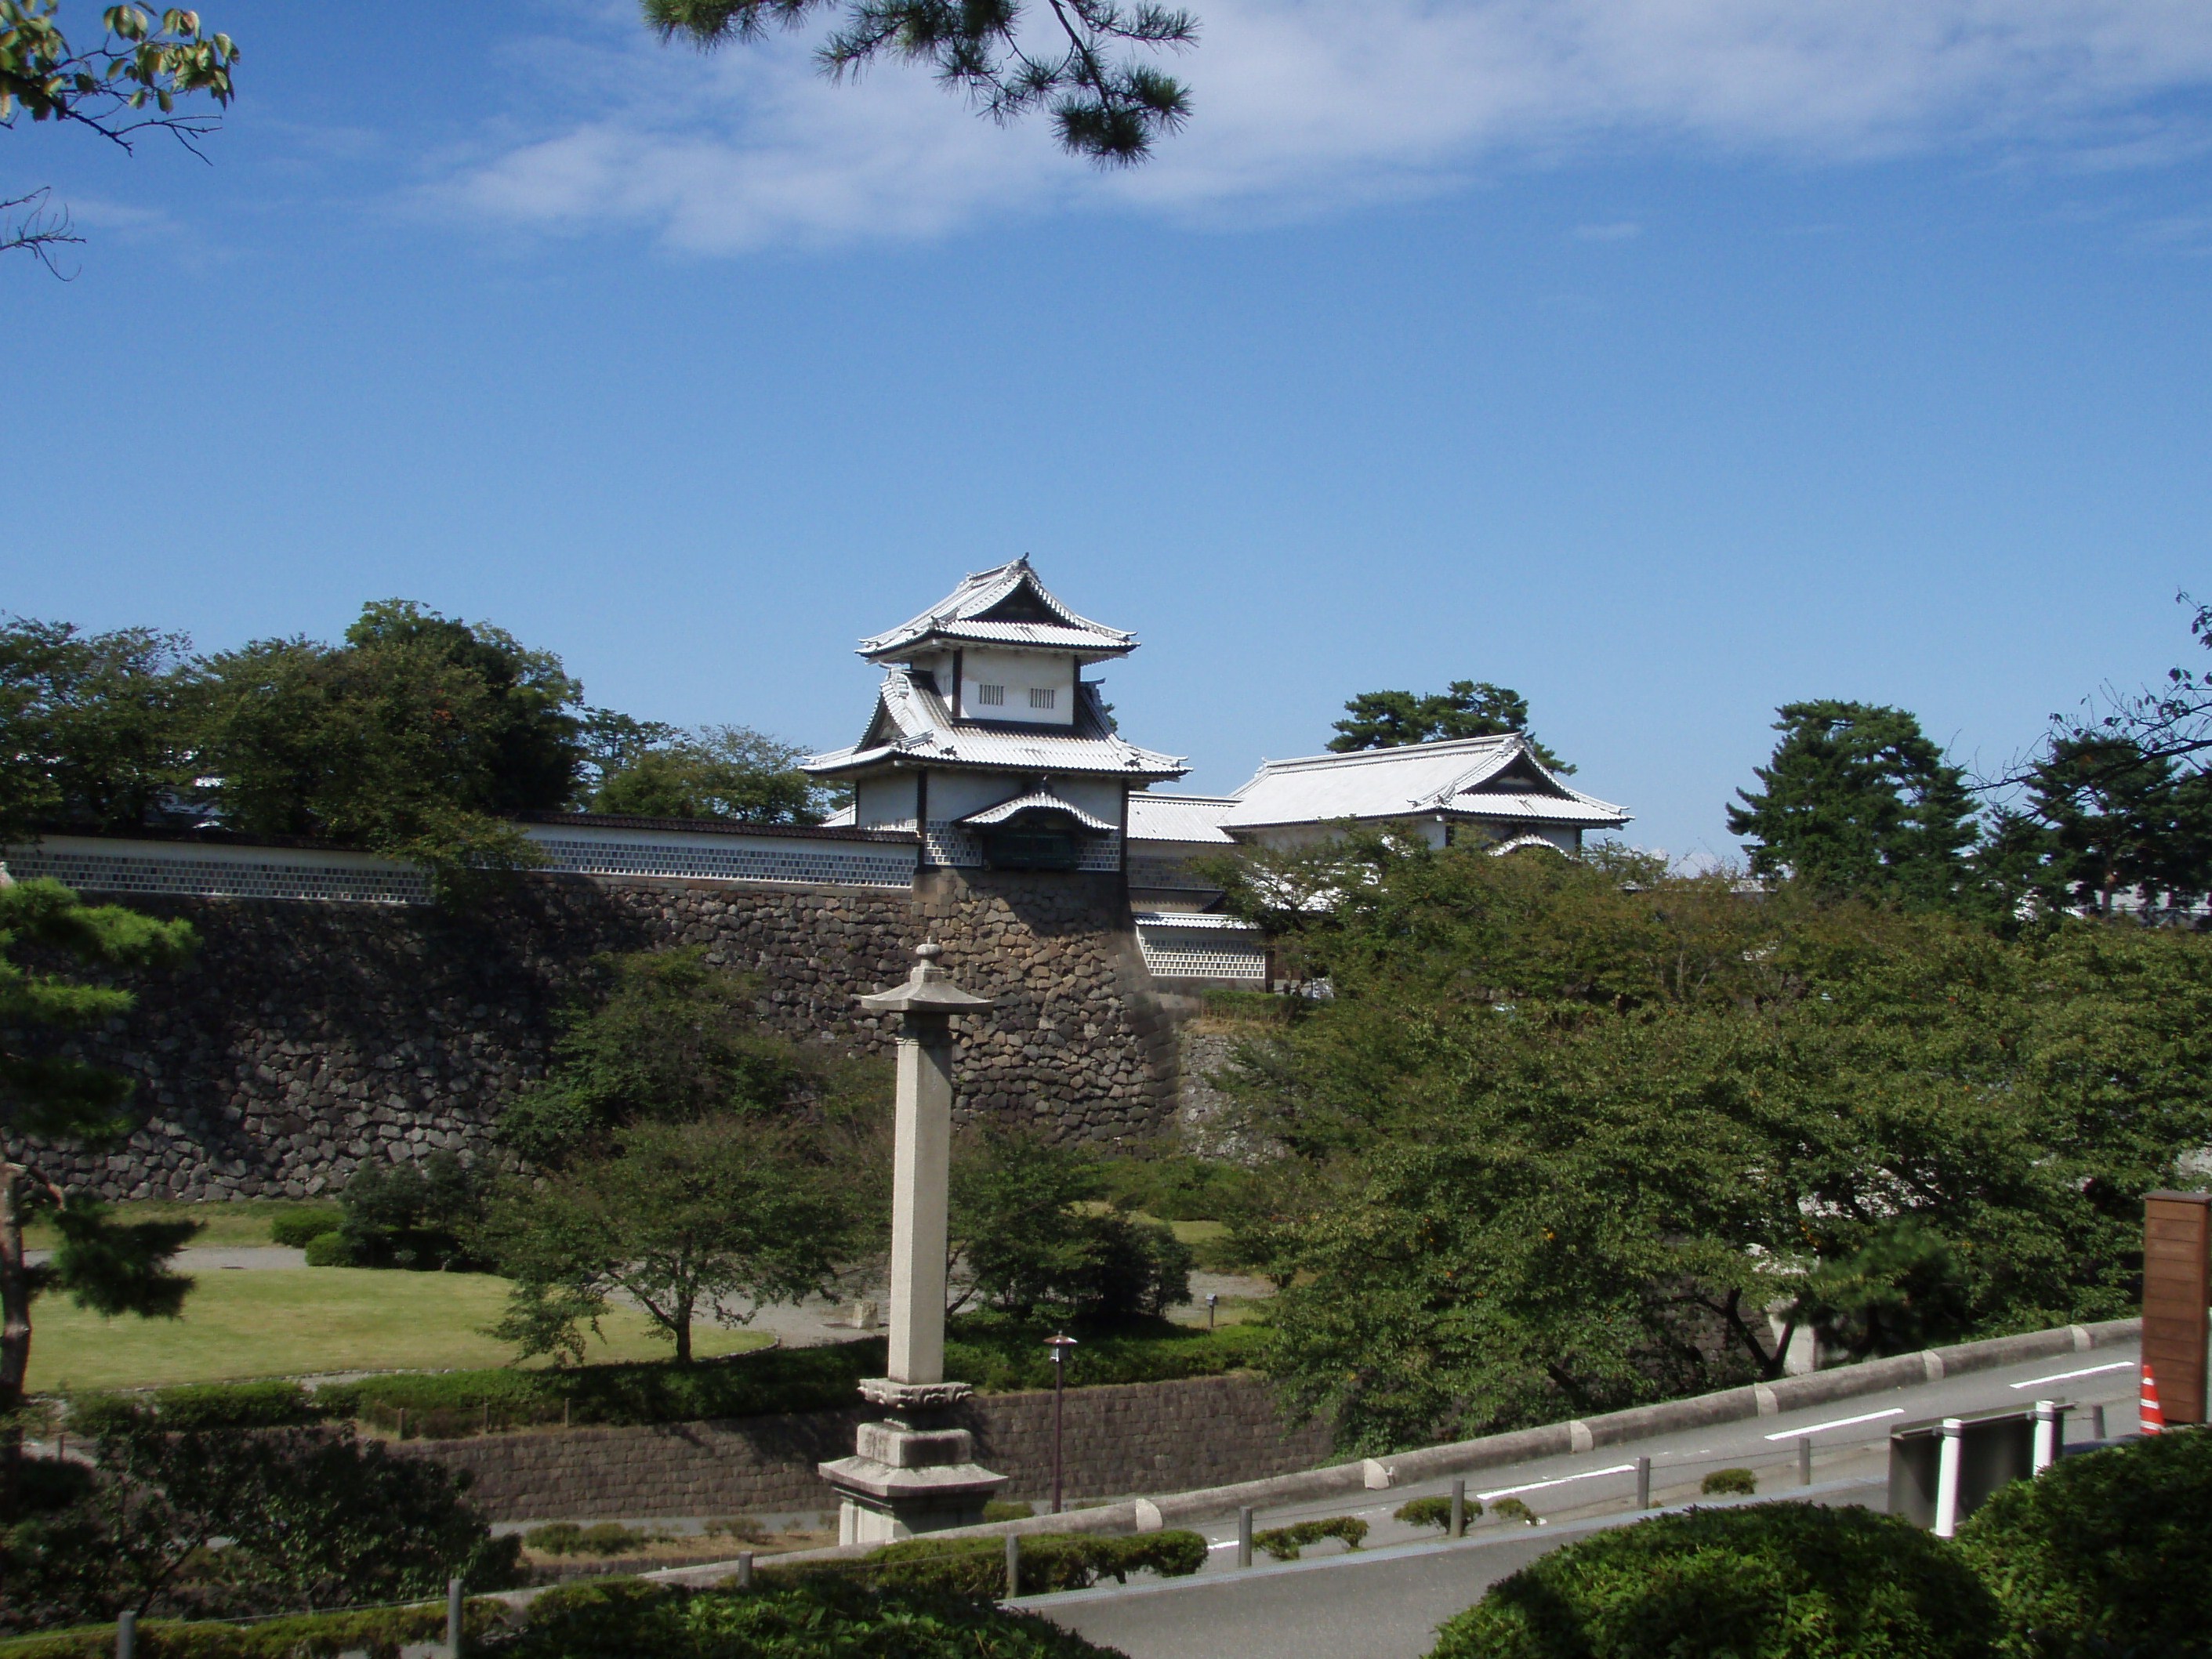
(404, 1215)
(1027, 1228)
(312, 1518)
(1857, 800)
(416, 739)
(106, 89)
(1573, 1141)
(686, 1221)
(1107, 104)
(666, 1036)
(94, 729)
(727, 772)
(1466, 708)
(50, 1097)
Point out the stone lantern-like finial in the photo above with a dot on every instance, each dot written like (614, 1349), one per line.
(913, 1472)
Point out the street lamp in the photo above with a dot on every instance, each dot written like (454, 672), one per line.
(1213, 1301)
(1059, 1346)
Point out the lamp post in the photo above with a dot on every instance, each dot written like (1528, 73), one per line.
(1059, 1346)
(1213, 1301)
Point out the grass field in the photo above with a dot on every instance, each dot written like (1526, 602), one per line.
(243, 1324)
(243, 1221)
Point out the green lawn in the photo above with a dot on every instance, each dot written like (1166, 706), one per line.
(252, 1323)
(243, 1221)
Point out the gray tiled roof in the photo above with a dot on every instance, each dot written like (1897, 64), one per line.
(961, 616)
(1036, 800)
(913, 725)
(1458, 779)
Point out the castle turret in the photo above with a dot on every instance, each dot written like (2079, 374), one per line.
(987, 740)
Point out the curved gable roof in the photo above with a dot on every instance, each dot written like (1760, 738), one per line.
(1466, 777)
(1004, 606)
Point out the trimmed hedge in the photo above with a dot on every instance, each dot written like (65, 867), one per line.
(1730, 1483)
(381, 1631)
(2109, 1552)
(1432, 1512)
(1770, 1581)
(995, 1355)
(1050, 1561)
(812, 1619)
(299, 1227)
(1285, 1543)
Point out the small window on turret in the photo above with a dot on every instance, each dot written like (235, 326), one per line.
(990, 697)
(1041, 696)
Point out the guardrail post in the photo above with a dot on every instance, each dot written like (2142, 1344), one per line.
(126, 1636)
(745, 1569)
(1804, 1460)
(453, 1618)
(1244, 1536)
(2096, 1423)
(1459, 1509)
(1642, 1483)
(1013, 1565)
(1947, 1478)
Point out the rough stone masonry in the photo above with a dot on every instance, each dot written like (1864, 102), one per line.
(305, 1038)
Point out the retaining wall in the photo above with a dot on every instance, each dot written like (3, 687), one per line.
(1134, 1438)
(304, 1038)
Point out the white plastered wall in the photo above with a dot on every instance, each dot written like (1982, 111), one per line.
(1017, 674)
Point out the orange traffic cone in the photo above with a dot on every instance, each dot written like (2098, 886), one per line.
(2153, 1419)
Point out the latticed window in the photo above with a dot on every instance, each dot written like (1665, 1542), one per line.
(1042, 696)
(990, 697)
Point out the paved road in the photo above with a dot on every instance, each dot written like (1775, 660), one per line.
(1386, 1602)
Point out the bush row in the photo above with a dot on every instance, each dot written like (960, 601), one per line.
(811, 1619)
(1049, 1561)
(2109, 1554)
(997, 1356)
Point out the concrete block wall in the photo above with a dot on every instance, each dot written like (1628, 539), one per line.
(1119, 1441)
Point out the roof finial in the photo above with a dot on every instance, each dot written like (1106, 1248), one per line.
(929, 950)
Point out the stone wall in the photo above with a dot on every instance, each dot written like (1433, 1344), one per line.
(1119, 1442)
(304, 1038)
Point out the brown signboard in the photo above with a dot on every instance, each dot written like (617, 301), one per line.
(2176, 1292)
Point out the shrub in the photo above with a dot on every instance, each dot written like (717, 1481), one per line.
(405, 1215)
(1733, 1483)
(330, 1249)
(1512, 1508)
(299, 1227)
(1432, 1512)
(567, 1538)
(1774, 1581)
(1000, 1508)
(1050, 1561)
(817, 1618)
(743, 1528)
(199, 1406)
(1174, 1189)
(1284, 1543)
(380, 1633)
(2109, 1552)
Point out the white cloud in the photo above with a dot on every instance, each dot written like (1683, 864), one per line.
(1303, 105)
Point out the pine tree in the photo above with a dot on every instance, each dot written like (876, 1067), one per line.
(48, 1097)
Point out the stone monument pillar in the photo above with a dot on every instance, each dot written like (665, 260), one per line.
(913, 1472)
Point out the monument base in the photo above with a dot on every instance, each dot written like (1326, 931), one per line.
(911, 1473)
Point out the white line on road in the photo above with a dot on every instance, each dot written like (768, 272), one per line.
(2068, 1376)
(1539, 1485)
(1840, 1422)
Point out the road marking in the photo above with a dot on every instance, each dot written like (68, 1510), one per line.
(1840, 1422)
(2068, 1376)
(1539, 1485)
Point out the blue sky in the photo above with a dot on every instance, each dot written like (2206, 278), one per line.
(1664, 359)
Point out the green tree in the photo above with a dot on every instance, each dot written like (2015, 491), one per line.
(106, 89)
(2112, 820)
(666, 1035)
(95, 730)
(313, 1519)
(1573, 1139)
(705, 1220)
(729, 772)
(418, 739)
(1107, 103)
(1029, 1237)
(1466, 708)
(1857, 800)
(50, 1097)
(407, 1215)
